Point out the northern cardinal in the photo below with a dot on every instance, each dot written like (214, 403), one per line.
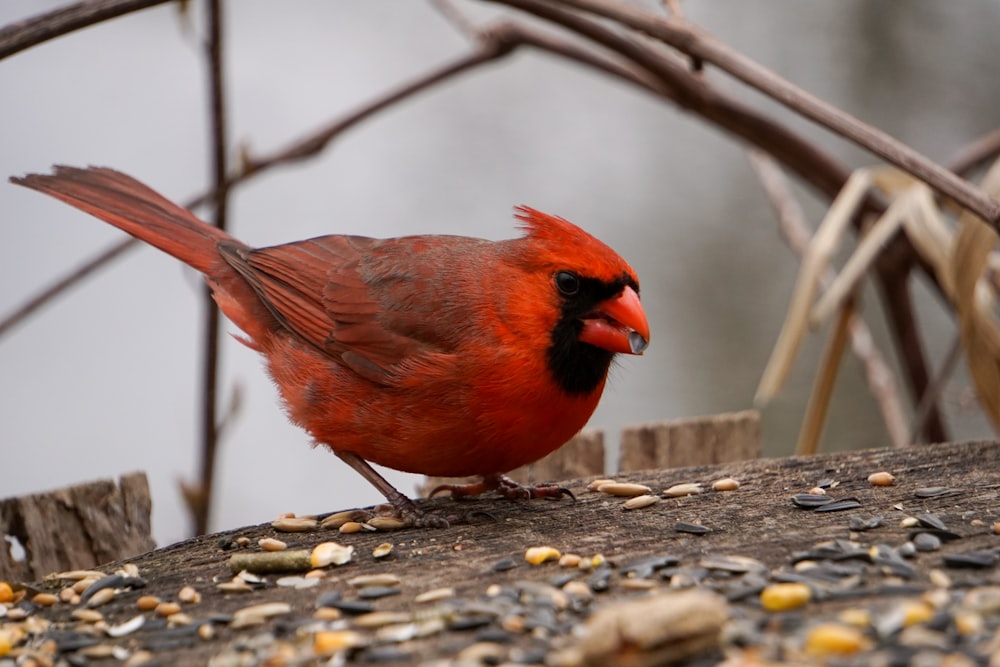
(442, 355)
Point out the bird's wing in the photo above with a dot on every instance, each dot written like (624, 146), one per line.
(352, 298)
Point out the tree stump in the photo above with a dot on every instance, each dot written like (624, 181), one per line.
(76, 527)
(692, 441)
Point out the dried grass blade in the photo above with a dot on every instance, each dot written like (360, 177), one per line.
(815, 261)
(980, 337)
(822, 392)
(857, 265)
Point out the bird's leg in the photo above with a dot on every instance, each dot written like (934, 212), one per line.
(504, 486)
(404, 508)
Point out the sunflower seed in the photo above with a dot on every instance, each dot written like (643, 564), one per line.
(881, 479)
(681, 490)
(294, 524)
(503, 565)
(598, 483)
(840, 504)
(971, 559)
(810, 500)
(691, 528)
(435, 595)
(376, 592)
(639, 502)
(624, 489)
(725, 484)
(934, 492)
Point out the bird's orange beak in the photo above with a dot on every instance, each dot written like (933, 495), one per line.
(618, 324)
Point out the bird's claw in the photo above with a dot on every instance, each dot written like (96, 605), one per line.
(392, 517)
(504, 486)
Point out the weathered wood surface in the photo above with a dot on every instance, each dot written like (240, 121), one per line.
(76, 527)
(757, 520)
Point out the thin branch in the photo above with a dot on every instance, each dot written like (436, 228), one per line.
(210, 370)
(894, 274)
(976, 153)
(21, 35)
(487, 51)
(701, 45)
(76, 275)
(456, 17)
(936, 388)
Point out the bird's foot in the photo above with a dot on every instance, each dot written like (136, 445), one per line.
(398, 515)
(407, 511)
(505, 487)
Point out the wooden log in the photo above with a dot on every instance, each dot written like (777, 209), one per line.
(757, 521)
(692, 441)
(76, 527)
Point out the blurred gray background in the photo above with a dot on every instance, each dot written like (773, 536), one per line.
(104, 380)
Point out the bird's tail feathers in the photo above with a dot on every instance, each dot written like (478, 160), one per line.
(124, 202)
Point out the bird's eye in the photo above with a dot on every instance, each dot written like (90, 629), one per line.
(568, 283)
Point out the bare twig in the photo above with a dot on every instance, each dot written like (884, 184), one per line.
(936, 387)
(976, 153)
(456, 17)
(21, 35)
(61, 285)
(210, 370)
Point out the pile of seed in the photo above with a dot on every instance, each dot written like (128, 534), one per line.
(859, 600)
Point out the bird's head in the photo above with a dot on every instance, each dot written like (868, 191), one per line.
(597, 294)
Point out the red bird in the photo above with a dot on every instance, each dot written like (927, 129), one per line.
(441, 355)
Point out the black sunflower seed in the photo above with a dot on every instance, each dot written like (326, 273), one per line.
(599, 581)
(503, 565)
(376, 592)
(328, 599)
(840, 504)
(931, 521)
(469, 622)
(971, 559)
(691, 528)
(352, 607)
(810, 501)
(934, 491)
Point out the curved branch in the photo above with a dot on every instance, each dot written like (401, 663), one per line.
(20, 35)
